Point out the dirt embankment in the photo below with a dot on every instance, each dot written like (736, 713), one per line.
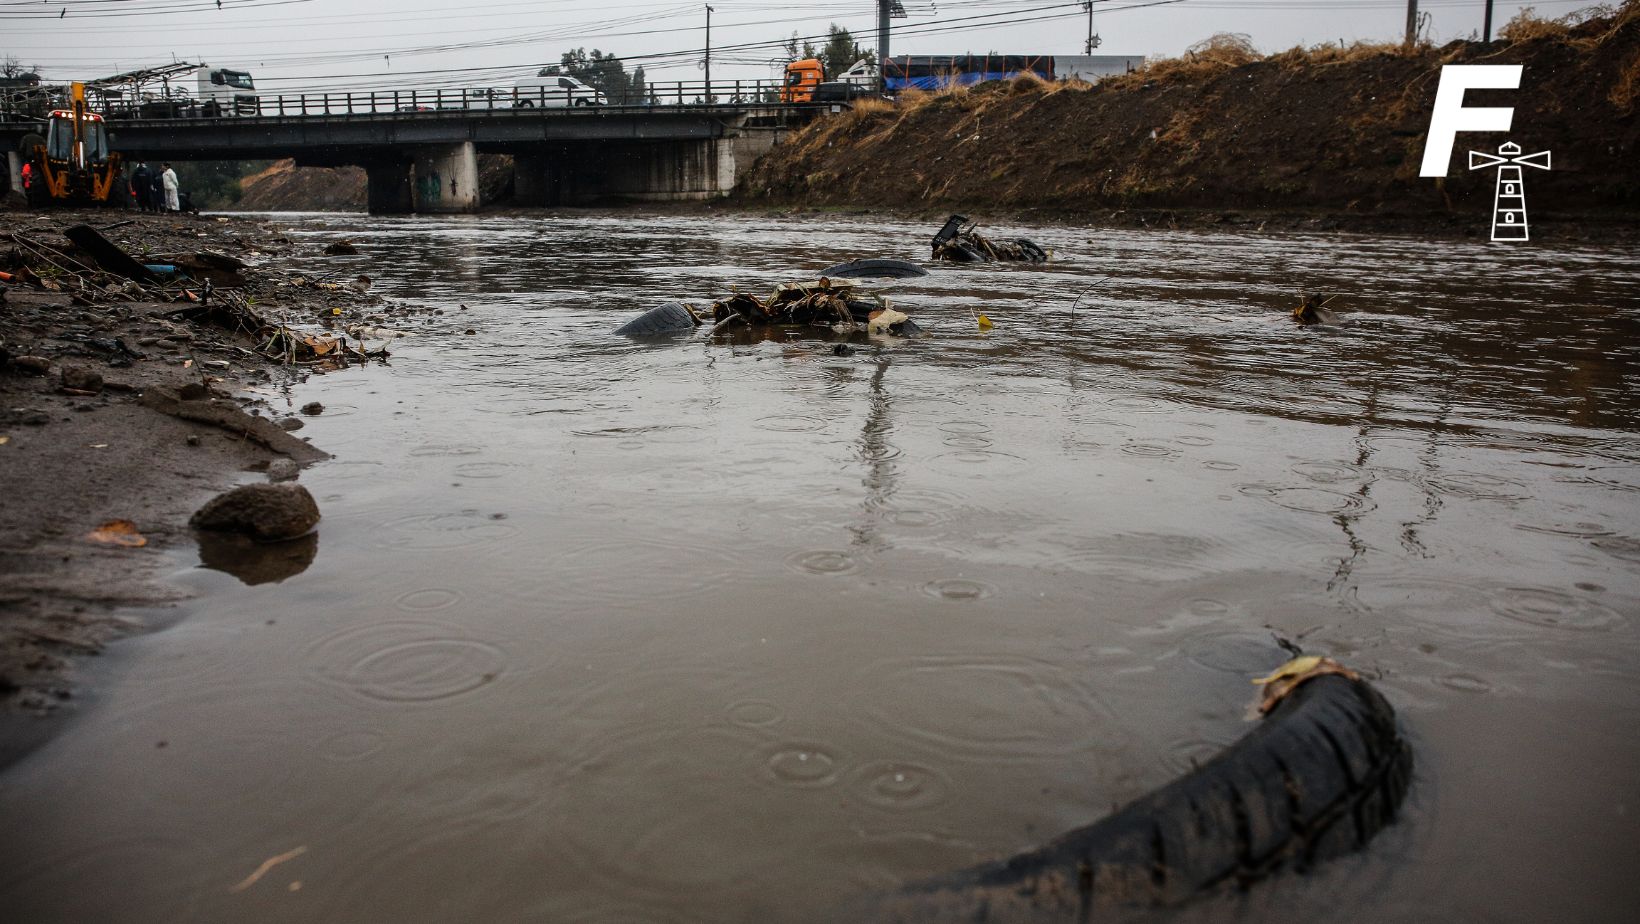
(126, 400)
(285, 187)
(1328, 130)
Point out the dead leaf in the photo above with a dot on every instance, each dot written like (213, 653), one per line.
(1288, 677)
(118, 532)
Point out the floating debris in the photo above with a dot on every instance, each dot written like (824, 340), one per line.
(1313, 310)
(954, 243)
(828, 303)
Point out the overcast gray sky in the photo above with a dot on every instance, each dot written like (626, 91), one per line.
(308, 44)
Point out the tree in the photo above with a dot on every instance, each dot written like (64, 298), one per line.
(841, 51)
(794, 53)
(836, 56)
(214, 184)
(12, 68)
(602, 72)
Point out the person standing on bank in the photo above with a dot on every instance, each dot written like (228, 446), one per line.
(169, 179)
(142, 186)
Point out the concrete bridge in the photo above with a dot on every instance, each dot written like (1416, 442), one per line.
(422, 158)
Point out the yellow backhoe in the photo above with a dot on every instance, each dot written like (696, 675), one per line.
(72, 164)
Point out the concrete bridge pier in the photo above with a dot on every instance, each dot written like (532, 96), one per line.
(446, 178)
(387, 188)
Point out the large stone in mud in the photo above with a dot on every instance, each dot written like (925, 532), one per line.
(266, 512)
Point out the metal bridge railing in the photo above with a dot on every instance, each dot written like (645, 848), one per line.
(546, 97)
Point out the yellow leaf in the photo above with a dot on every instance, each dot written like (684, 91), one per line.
(118, 532)
(1290, 676)
(1291, 669)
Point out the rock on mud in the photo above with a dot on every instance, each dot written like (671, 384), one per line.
(266, 512)
(283, 470)
(80, 378)
(31, 365)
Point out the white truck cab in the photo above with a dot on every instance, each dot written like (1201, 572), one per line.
(861, 73)
(227, 92)
(555, 90)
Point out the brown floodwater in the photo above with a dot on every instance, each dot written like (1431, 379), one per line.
(599, 630)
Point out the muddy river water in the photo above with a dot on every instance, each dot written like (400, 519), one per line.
(719, 630)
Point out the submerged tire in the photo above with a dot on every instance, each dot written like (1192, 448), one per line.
(1319, 776)
(1033, 252)
(874, 268)
(670, 318)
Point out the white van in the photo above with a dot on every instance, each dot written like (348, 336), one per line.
(555, 90)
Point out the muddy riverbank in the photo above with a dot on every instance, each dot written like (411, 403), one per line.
(1337, 133)
(83, 357)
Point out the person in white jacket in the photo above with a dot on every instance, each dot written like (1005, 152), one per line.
(169, 178)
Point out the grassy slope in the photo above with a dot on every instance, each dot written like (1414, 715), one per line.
(1327, 128)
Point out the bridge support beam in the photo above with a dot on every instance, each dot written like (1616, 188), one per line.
(387, 188)
(447, 178)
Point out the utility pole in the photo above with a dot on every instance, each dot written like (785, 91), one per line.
(1486, 32)
(1088, 49)
(708, 97)
(1412, 22)
(886, 10)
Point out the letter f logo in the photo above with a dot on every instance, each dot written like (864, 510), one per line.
(1450, 116)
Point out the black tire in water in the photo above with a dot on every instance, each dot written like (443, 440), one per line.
(874, 268)
(1320, 775)
(670, 318)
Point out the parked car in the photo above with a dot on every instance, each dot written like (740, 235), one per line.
(555, 90)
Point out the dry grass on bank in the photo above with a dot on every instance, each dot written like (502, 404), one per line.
(1571, 29)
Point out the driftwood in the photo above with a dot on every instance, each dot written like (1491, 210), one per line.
(231, 418)
(108, 255)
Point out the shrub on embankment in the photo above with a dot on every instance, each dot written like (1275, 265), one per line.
(1330, 128)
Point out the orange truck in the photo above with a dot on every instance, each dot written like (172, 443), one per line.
(802, 77)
